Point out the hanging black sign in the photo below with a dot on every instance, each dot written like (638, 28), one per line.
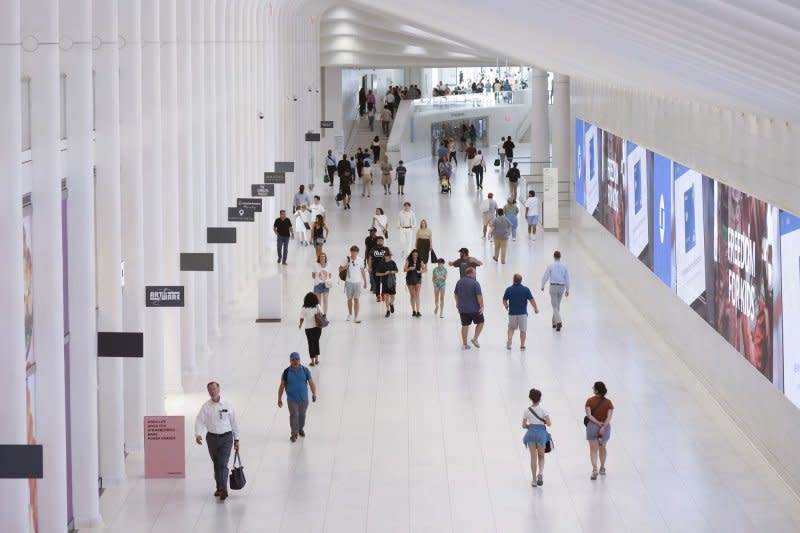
(313, 137)
(274, 177)
(326, 124)
(120, 344)
(284, 166)
(163, 296)
(198, 262)
(21, 461)
(262, 189)
(241, 214)
(221, 235)
(250, 203)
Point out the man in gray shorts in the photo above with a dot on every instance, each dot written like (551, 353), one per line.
(515, 300)
(354, 266)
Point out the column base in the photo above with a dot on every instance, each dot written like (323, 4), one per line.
(83, 522)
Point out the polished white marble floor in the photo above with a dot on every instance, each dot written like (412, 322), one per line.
(412, 434)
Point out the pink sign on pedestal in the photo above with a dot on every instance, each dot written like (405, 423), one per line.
(164, 445)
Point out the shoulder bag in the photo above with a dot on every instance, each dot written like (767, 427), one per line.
(238, 480)
(343, 273)
(550, 445)
(320, 319)
(586, 418)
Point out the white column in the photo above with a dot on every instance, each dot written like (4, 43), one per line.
(76, 63)
(198, 202)
(560, 130)
(213, 202)
(39, 29)
(540, 129)
(13, 492)
(152, 205)
(133, 310)
(184, 204)
(233, 272)
(169, 188)
(109, 236)
(223, 175)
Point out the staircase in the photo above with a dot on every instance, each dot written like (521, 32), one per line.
(362, 136)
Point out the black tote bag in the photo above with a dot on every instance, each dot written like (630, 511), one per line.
(238, 480)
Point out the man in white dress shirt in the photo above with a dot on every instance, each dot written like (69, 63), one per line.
(406, 221)
(218, 418)
(558, 276)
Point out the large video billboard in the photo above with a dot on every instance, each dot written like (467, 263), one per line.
(734, 259)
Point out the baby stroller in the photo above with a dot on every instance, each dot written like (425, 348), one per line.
(444, 181)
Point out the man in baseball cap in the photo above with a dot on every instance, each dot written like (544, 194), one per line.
(296, 380)
(464, 262)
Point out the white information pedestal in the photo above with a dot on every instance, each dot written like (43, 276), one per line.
(270, 298)
(550, 200)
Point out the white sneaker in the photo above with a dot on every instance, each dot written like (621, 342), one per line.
(349, 318)
(513, 239)
(534, 237)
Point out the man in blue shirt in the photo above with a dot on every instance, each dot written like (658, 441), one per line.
(515, 300)
(296, 380)
(469, 301)
(558, 276)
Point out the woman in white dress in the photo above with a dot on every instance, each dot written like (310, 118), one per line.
(381, 222)
(302, 223)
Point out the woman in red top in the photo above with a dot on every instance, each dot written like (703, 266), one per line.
(599, 410)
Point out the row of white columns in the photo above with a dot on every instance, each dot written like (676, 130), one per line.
(550, 128)
(172, 90)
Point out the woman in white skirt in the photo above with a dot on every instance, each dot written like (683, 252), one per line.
(366, 179)
(302, 223)
(381, 222)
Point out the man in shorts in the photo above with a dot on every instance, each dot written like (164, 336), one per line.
(356, 277)
(469, 301)
(515, 300)
(532, 214)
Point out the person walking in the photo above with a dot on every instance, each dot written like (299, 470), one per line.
(414, 267)
(217, 418)
(296, 380)
(319, 234)
(558, 275)
(300, 198)
(508, 148)
(302, 224)
(330, 165)
(371, 118)
(488, 213)
(478, 168)
(513, 176)
(366, 178)
(282, 227)
(354, 279)
(386, 119)
(381, 222)
(374, 260)
(471, 152)
(451, 147)
(599, 411)
(406, 221)
(465, 262)
(376, 149)
(424, 242)
(308, 316)
(400, 172)
(501, 229)
(515, 300)
(535, 420)
(322, 280)
(443, 151)
(316, 208)
(511, 211)
(439, 276)
(501, 153)
(386, 273)
(345, 179)
(532, 214)
(469, 302)
(370, 101)
(386, 175)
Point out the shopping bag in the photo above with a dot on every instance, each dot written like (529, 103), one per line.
(238, 480)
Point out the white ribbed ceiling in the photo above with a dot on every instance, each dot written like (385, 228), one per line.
(743, 54)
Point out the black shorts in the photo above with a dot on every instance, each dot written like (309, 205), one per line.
(471, 318)
(345, 191)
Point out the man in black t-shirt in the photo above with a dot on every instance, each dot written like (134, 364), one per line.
(508, 147)
(375, 258)
(284, 231)
(513, 176)
(386, 272)
(369, 243)
(345, 179)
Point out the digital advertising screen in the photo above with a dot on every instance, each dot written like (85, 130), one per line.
(787, 308)
(690, 240)
(580, 167)
(591, 156)
(662, 221)
(612, 189)
(637, 186)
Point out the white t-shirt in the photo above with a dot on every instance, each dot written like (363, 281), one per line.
(354, 269)
(316, 209)
(307, 314)
(532, 420)
(532, 205)
(321, 273)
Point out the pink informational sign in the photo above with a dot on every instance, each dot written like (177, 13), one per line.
(164, 445)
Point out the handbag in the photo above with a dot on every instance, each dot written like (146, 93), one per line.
(325, 179)
(434, 257)
(307, 225)
(550, 445)
(391, 283)
(343, 273)
(586, 418)
(320, 319)
(238, 480)
(497, 162)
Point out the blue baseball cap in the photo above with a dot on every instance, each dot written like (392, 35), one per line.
(294, 356)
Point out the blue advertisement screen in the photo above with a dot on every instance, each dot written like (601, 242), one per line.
(662, 220)
(580, 187)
